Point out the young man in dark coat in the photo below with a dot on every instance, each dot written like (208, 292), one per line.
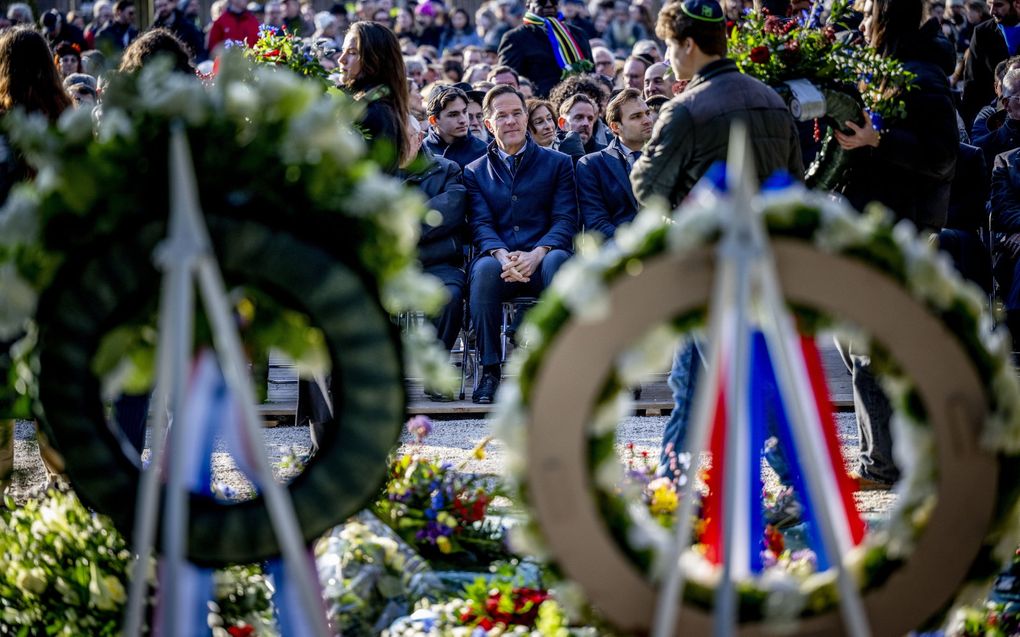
(604, 193)
(717, 95)
(441, 245)
(449, 134)
(523, 221)
(528, 49)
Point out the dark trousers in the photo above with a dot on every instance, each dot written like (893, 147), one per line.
(449, 321)
(874, 414)
(488, 291)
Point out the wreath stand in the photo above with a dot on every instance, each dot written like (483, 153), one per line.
(187, 253)
(746, 272)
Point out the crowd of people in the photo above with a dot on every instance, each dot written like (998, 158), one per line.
(525, 123)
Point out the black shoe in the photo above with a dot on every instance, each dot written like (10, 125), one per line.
(486, 391)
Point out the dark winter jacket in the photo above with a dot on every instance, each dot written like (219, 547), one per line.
(987, 49)
(462, 151)
(441, 184)
(535, 207)
(604, 193)
(112, 39)
(1002, 134)
(912, 168)
(1005, 198)
(526, 49)
(693, 132)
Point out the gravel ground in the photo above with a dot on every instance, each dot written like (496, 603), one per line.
(451, 440)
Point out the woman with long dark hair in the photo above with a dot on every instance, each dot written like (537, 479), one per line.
(908, 166)
(29, 80)
(28, 76)
(373, 70)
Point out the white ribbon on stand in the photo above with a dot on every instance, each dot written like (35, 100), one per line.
(187, 253)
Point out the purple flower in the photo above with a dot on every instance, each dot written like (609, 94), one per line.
(419, 427)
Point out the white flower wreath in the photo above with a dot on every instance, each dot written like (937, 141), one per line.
(580, 294)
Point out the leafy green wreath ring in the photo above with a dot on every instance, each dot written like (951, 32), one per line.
(93, 294)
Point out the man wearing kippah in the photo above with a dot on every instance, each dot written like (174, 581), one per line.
(691, 133)
(717, 95)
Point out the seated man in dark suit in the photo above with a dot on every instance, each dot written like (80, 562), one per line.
(523, 221)
(604, 193)
(449, 133)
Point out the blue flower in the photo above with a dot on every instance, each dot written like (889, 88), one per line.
(438, 502)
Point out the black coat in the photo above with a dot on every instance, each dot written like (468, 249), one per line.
(535, 207)
(987, 49)
(383, 131)
(604, 193)
(526, 49)
(1005, 198)
(441, 184)
(1001, 134)
(968, 194)
(461, 151)
(911, 170)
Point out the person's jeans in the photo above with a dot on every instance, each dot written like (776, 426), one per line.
(488, 291)
(688, 365)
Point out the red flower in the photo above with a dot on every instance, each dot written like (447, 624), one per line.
(241, 631)
(274, 53)
(760, 54)
(774, 540)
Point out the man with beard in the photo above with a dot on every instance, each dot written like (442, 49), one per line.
(530, 50)
(579, 114)
(449, 135)
(991, 42)
(604, 193)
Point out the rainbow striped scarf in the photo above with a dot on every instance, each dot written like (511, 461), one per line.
(564, 46)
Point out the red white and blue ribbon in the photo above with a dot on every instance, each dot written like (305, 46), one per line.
(767, 407)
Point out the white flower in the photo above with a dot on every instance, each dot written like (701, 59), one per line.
(651, 354)
(17, 301)
(76, 124)
(580, 284)
(19, 218)
(611, 413)
(410, 289)
(283, 93)
(115, 123)
(241, 100)
(173, 95)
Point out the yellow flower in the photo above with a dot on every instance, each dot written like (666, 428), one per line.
(479, 453)
(444, 545)
(446, 519)
(664, 501)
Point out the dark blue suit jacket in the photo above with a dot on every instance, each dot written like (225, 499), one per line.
(535, 208)
(604, 192)
(461, 151)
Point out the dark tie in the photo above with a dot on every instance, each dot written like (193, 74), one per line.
(514, 164)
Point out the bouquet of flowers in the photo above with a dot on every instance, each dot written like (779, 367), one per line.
(440, 510)
(279, 47)
(489, 606)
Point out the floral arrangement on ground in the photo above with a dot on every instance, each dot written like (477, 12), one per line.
(299, 163)
(440, 510)
(580, 293)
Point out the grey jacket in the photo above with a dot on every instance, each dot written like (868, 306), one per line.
(693, 131)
